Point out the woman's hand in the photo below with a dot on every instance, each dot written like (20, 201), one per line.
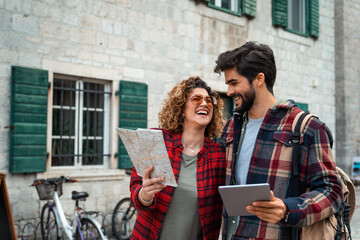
(150, 186)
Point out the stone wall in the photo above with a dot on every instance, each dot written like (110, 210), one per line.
(159, 42)
(347, 82)
(305, 66)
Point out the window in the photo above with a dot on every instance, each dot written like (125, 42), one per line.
(236, 7)
(227, 110)
(228, 106)
(231, 5)
(80, 122)
(298, 16)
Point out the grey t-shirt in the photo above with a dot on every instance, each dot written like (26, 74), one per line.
(243, 162)
(182, 220)
(246, 150)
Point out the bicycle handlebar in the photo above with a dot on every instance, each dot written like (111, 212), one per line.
(53, 181)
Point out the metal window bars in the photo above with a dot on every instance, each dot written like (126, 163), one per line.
(78, 122)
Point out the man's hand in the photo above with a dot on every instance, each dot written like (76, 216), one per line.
(150, 186)
(269, 211)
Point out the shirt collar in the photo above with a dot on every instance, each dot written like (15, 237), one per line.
(287, 104)
(280, 104)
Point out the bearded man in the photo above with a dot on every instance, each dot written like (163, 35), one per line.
(257, 140)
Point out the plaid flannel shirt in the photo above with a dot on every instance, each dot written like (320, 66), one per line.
(271, 162)
(210, 174)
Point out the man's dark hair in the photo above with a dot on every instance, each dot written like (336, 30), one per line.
(250, 59)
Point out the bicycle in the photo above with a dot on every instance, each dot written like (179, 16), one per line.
(52, 219)
(123, 219)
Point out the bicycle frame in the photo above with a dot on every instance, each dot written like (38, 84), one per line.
(61, 219)
(63, 223)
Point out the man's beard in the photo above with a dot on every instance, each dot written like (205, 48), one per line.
(248, 99)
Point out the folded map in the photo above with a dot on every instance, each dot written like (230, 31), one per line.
(146, 147)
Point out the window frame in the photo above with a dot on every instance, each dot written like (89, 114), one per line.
(279, 17)
(228, 108)
(307, 20)
(79, 110)
(238, 13)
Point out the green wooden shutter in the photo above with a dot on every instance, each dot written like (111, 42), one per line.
(28, 118)
(132, 113)
(279, 12)
(314, 18)
(249, 8)
(303, 106)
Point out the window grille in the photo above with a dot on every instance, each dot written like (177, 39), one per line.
(80, 123)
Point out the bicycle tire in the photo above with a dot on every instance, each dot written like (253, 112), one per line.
(49, 225)
(123, 219)
(89, 230)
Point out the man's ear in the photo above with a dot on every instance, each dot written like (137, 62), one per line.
(260, 79)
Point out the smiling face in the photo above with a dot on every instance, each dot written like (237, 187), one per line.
(198, 115)
(240, 90)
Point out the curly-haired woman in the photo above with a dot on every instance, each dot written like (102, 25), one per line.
(192, 113)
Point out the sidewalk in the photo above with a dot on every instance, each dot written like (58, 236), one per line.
(355, 222)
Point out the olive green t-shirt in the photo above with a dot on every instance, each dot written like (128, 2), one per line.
(182, 220)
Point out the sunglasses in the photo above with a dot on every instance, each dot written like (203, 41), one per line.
(198, 99)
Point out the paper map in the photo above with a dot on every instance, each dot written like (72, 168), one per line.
(145, 148)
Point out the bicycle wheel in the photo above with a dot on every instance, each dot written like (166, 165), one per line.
(123, 219)
(48, 224)
(89, 231)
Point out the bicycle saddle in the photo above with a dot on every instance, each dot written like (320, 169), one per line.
(79, 195)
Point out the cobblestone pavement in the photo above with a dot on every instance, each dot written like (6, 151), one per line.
(355, 222)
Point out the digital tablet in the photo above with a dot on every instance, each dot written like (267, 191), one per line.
(237, 197)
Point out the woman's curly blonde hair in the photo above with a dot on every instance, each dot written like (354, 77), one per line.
(171, 115)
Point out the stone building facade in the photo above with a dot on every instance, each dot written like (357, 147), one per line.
(157, 43)
(347, 84)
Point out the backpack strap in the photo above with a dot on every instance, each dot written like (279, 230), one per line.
(330, 136)
(350, 193)
(296, 143)
(298, 126)
(347, 207)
